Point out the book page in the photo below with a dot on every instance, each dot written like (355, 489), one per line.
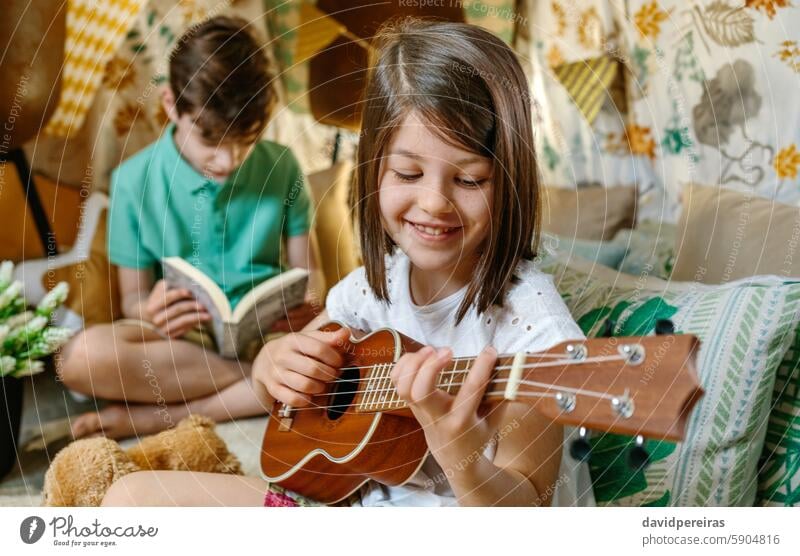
(255, 324)
(177, 275)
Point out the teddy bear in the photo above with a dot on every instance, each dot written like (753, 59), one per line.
(81, 473)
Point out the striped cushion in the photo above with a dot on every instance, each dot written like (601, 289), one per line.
(745, 328)
(779, 468)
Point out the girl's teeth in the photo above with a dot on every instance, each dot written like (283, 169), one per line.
(432, 231)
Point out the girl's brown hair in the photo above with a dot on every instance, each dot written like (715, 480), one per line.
(469, 85)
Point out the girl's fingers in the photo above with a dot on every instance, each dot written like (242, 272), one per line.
(427, 377)
(300, 382)
(288, 396)
(314, 345)
(406, 369)
(309, 367)
(471, 392)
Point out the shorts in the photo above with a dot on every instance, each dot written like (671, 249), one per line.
(277, 497)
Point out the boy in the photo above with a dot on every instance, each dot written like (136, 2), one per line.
(210, 192)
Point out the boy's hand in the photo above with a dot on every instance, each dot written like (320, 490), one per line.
(297, 318)
(174, 311)
(296, 367)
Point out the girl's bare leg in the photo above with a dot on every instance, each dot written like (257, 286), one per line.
(185, 488)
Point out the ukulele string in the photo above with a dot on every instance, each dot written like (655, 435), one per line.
(402, 403)
(499, 380)
(546, 385)
(456, 360)
(563, 361)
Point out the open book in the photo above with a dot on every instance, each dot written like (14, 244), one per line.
(238, 332)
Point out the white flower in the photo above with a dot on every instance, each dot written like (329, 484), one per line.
(53, 299)
(19, 320)
(10, 293)
(30, 367)
(52, 339)
(7, 365)
(35, 325)
(28, 330)
(6, 273)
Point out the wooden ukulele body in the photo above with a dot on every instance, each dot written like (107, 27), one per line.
(328, 453)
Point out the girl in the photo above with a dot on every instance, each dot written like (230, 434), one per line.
(447, 206)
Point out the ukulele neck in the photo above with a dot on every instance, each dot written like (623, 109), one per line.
(380, 395)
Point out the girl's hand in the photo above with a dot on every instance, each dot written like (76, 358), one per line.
(174, 311)
(454, 431)
(295, 367)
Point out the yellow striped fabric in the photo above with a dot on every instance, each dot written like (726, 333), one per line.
(587, 82)
(95, 29)
(317, 30)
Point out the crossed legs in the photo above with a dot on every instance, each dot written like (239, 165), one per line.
(154, 381)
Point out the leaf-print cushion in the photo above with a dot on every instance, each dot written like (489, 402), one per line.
(745, 328)
(779, 466)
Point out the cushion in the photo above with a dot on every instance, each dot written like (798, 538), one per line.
(779, 466)
(595, 213)
(766, 234)
(606, 253)
(93, 283)
(742, 236)
(649, 249)
(745, 327)
(332, 222)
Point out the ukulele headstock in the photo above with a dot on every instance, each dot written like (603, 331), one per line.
(641, 386)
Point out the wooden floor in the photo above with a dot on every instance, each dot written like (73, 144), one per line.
(45, 424)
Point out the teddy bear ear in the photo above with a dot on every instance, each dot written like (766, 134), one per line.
(197, 421)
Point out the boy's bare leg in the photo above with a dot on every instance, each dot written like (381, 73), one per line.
(161, 380)
(135, 364)
(185, 488)
(123, 420)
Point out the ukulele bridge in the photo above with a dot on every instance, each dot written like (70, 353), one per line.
(285, 418)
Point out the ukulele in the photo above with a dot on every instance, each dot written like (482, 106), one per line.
(360, 429)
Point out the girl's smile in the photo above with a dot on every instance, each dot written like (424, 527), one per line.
(434, 232)
(436, 204)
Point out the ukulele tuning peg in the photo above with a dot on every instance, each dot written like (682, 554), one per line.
(664, 326)
(638, 458)
(580, 449)
(608, 329)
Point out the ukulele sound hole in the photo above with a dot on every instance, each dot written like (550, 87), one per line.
(343, 393)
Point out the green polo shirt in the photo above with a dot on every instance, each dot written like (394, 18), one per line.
(162, 207)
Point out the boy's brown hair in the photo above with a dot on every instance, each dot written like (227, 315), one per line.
(220, 75)
(470, 86)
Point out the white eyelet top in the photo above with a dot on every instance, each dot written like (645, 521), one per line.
(533, 318)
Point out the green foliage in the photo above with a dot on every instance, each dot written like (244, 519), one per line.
(27, 336)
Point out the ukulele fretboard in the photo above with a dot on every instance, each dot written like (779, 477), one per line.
(379, 394)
